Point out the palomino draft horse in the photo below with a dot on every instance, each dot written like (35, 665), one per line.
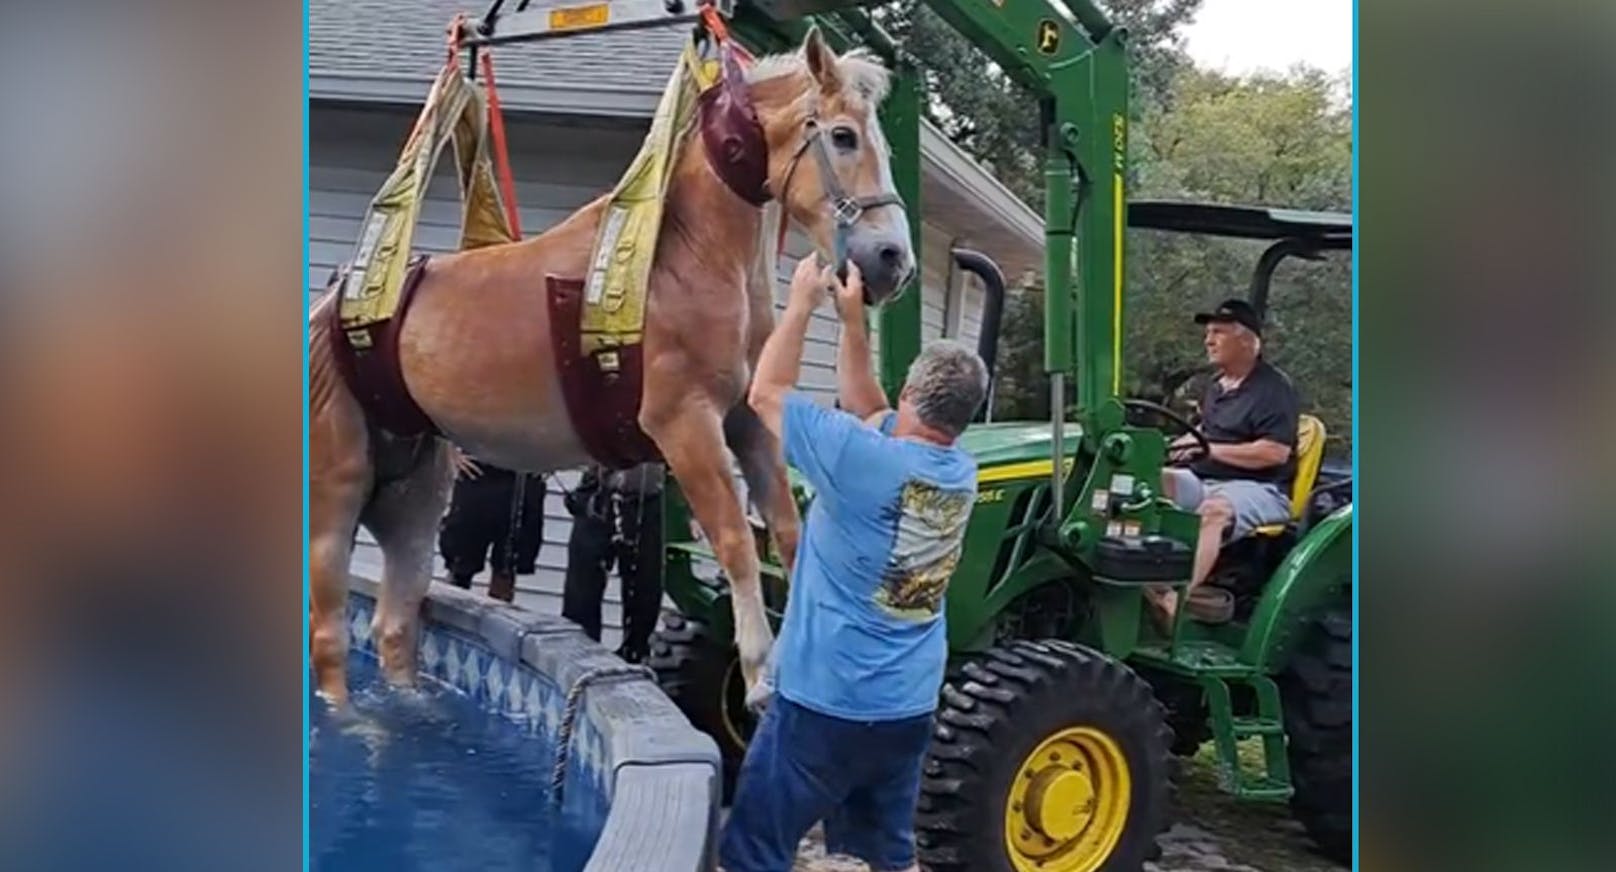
(476, 355)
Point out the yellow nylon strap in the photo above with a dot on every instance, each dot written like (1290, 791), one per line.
(454, 110)
(483, 219)
(615, 289)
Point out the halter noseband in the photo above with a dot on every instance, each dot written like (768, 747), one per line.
(845, 210)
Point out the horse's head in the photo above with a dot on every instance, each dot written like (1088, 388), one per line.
(829, 163)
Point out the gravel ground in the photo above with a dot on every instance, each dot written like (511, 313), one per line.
(1217, 833)
(1214, 833)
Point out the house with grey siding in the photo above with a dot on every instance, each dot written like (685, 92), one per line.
(576, 112)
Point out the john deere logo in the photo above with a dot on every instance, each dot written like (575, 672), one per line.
(1048, 36)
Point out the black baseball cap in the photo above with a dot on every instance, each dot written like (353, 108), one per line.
(1234, 311)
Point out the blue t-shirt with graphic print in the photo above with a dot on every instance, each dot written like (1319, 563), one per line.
(863, 635)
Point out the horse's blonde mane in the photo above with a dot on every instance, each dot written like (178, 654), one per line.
(860, 70)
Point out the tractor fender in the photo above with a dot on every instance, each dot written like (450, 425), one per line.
(1317, 571)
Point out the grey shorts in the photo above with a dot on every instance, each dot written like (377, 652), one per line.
(1255, 503)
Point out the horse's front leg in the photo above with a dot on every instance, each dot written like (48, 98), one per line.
(758, 450)
(764, 468)
(689, 432)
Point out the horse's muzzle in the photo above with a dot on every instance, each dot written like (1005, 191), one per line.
(885, 265)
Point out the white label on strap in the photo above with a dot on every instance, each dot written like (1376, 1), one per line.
(367, 249)
(603, 255)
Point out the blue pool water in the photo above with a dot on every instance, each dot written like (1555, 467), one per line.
(426, 780)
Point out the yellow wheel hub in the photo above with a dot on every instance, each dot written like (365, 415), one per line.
(1068, 804)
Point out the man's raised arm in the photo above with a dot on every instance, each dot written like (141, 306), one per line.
(780, 363)
(856, 387)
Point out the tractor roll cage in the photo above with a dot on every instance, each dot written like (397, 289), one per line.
(1296, 233)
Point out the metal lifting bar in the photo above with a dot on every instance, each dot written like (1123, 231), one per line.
(571, 18)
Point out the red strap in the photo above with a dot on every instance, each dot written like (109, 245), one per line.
(502, 158)
(720, 31)
(456, 32)
(714, 21)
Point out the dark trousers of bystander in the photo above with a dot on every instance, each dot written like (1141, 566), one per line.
(610, 530)
(477, 530)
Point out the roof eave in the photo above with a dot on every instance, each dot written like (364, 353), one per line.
(965, 174)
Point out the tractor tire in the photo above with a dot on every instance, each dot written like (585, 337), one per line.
(1005, 722)
(1316, 690)
(704, 680)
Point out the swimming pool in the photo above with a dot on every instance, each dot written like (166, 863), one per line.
(457, 774)
(426, 780)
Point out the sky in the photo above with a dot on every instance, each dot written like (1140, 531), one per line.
(1243, 36)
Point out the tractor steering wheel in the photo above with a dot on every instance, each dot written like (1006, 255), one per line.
(1203, 446)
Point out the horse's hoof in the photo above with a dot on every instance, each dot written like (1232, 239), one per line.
(401, 681)
(335, 699)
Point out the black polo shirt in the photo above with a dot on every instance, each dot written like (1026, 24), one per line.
(1262, 406)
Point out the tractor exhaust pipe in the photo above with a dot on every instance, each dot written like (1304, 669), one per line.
(987, 343)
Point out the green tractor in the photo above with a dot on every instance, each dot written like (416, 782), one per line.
(1062, 695)
(1065, 703)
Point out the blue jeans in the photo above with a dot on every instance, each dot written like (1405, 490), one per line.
(861, 778)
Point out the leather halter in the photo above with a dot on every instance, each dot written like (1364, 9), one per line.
(846, 210)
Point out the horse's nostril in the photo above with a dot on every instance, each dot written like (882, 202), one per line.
(891, 256)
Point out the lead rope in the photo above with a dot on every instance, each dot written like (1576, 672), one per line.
(513, 528)
(631, 578)
(569, 718)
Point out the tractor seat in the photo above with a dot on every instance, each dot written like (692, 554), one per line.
(1309, 455)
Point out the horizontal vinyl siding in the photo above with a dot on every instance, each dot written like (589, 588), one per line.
(352, 152)
(972, 301)
(556, 170)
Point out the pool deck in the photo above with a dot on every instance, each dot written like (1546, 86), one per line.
(658, 773)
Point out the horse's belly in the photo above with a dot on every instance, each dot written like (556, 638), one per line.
(479, 363)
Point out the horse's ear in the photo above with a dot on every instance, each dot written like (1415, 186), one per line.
(821, 61)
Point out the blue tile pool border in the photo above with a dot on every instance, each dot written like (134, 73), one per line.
(639, 774)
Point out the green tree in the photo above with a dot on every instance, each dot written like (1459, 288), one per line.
(1280, 140)
(1277, 140)
(996, 120)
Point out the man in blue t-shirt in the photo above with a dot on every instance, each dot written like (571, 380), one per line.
(861, 652)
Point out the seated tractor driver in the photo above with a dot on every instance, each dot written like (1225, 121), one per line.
(1249, 415)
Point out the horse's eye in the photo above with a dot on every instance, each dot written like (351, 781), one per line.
(845, 138)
